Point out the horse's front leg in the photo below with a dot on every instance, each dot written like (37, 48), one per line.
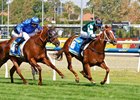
(34, 72)
(69, 60)
(34, 64)
(18, 69)
(104, 66)
(87, 73)
(48, 62)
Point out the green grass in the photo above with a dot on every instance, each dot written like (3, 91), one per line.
(125, 85)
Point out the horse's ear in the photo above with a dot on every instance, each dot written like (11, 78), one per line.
(106, 26)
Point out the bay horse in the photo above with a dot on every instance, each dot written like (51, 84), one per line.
(34, 51)
(94, 54)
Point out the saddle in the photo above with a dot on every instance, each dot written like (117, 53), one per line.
(19, 50)
(75, 47)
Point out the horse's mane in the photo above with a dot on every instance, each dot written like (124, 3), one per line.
(39, 32)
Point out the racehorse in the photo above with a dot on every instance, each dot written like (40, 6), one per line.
(94, 54)
(34, 51)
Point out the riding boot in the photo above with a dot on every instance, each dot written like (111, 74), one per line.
(13, 48)
(19, 40)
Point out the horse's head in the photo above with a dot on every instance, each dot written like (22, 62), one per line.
(108, 35)
(49, 35)
(53, 37)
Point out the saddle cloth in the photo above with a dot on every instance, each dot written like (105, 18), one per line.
(20, 49)
(76, 45)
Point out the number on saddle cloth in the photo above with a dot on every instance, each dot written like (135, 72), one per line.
(75, 47)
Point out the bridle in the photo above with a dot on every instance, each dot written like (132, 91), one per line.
(51, 36)
(106, 37)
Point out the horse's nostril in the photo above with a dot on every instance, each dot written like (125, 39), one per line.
(57, 44)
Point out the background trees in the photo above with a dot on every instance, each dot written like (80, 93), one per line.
(69, 13)
(116, 10)
(108, 10)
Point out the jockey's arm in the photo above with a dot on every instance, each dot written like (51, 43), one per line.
(90, 31)
(38, 29)
(19, 29)
(93, 36)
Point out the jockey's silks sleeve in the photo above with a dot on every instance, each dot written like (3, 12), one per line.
(26, 26)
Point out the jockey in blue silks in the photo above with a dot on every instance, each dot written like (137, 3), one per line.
(24, 30)
(89, 29)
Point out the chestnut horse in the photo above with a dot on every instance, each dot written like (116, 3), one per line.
(96, 51)
(34, 51)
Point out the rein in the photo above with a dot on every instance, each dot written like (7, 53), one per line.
(105, 38)
(43, 40)
(41, 37)
(52, 38)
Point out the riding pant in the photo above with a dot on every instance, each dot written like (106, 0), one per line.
(24, 35)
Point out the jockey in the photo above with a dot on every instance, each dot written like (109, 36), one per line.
(24, 30)
(88, 30)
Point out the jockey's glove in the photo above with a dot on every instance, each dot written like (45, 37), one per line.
(93, 35)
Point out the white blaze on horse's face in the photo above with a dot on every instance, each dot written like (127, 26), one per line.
(109, 34)
(112, 33)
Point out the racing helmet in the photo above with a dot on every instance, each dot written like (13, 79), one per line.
(35, 20)
(98, 22)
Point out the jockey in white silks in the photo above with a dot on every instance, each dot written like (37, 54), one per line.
(88, 31)
(23, 31)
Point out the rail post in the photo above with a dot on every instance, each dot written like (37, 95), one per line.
(6, 70)
(53, 62)
(139, 64)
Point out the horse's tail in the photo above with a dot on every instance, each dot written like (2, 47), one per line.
(59, 55)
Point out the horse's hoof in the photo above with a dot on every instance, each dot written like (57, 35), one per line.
(62, 76)
(40, 83)
(77, 80)
(25, 83)
(102, 82)
(93, 82)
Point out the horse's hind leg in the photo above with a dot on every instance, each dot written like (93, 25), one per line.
(12, 70)
(14, 60)
(69, 60)
(104, 66)
(48, 62)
